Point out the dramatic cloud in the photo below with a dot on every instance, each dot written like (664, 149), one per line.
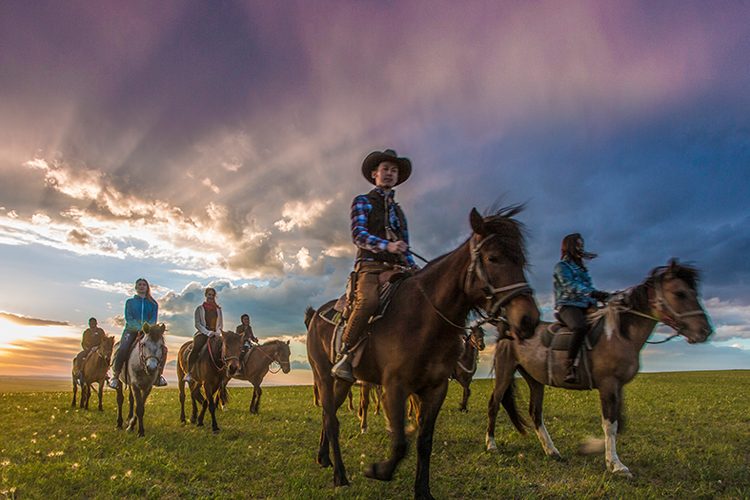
(24, 321)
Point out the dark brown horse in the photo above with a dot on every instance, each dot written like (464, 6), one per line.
(414, 347)
(220, 356)
(257, 365)
(94, 370)
(141, 371)
(466, 366)
(669, 295)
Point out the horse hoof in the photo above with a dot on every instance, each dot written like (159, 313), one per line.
(463, 410)
(216, 431)
(624, 472)
(372, 471)
(364, 431)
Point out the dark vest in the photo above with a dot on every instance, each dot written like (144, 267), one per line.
(212, 315)
(376, 223)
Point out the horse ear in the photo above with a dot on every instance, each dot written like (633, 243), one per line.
(146, 327)
(477, 222)
(287, 342)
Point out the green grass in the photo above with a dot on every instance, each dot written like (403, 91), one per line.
(688, 436)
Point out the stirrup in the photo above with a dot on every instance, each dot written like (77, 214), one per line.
(571, 376)
(343, 369)
(188, 378)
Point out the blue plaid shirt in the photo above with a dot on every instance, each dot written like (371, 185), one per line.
(572, 285)
(360, 213)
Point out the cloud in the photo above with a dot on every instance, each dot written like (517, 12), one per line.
(26, 321)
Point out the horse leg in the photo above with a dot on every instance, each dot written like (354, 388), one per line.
(395, 401)
(181, 387)
(196, 399)
(87, 390)
(120, 400)
(429, 407)
(467, 392)
(204, 408)
(364, 405)
(101, 390)
(350, 397)
(536, 404)
(333, 395)
(505, 368)
(140, 408)
(131, 412)
(75, 391)
(610, 397)
(210, 390)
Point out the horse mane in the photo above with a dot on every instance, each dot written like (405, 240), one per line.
(512, 233)
(156, 332)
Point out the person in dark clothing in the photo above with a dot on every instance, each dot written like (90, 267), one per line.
(379, 231)
(246, 329)
(92, 337)
(574, 293)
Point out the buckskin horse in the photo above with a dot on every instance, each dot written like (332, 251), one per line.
(257, 364)
(414, 347)
(220, 355)
(141, 371)
(669, 295)
(94, 370)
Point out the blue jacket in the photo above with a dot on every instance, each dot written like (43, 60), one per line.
(572, 285)
(138, 311)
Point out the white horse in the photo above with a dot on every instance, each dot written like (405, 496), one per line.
(141, 372)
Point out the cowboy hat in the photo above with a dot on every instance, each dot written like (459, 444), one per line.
(377, 157)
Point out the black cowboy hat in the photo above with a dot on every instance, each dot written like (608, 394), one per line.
(377, 157)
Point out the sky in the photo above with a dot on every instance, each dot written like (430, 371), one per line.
(220, 144)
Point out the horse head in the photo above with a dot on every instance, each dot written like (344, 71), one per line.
(151, 345)
(231, 347)
(283, 353)
(477, 337)
(673, 298)
(106, 347)
(496, 275)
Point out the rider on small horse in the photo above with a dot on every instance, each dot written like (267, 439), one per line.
(379, 231)
(92, 338)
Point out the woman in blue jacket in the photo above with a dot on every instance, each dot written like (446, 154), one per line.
(142, 308)
(574, 293)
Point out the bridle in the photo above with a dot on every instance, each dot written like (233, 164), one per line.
(223, 358)
(476, 266)
(276, 359)
(665, 313)
(144, 359)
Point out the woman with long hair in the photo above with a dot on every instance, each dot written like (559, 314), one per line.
(574, 293)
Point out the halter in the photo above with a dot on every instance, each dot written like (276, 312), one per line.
(223, 358)
(490, 292)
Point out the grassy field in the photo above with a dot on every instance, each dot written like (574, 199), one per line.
(688, 436)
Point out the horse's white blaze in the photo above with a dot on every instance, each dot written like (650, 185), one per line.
(490, 442)
(547, 444)
(613, 463)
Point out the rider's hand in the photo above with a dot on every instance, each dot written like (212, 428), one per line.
(398, 247)
(600, 296)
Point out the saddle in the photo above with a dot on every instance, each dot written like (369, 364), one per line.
(337, 315)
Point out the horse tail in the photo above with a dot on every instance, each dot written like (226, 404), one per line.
(309, 313)
(509, 403)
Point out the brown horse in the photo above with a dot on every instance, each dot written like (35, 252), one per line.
(414, 347)
(257, 364)
(94, 370)
(466, 366)
(368, 391)
(669, 295)
(141, 371)
(220, 356)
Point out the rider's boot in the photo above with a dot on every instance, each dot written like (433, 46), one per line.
(571, 375)
(115, 382)
(342, 368)
(161, 382)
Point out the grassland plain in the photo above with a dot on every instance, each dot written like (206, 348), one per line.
(688, 436)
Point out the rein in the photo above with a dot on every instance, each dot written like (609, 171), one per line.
(211, 356)
(272, 359)
(141, 357)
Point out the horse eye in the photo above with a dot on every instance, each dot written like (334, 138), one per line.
(680, 295)
(493, 259)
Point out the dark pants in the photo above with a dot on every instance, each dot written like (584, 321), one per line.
(199, 342)
(80, 360)
(124, 350)
(575, 319)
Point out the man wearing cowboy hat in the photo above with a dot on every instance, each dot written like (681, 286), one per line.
(379, 230)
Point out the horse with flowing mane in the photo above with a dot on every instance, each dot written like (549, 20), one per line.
(669, 295)
(256, 365)
(141, 372)
(414, 346)
(94, 370)
(220, 357)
